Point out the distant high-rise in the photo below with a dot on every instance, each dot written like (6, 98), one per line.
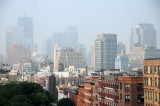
(143, 35)
(121, 62)
(121, 48)
(105, 51)
(71, 36)
(27, 23)
(93, 56)
(48, 48)
(15, 53)
(138, 54)
(14, 35)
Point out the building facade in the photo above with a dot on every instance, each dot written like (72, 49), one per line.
(108, 89)
(121, 48)
(151, 82)
(131, 91)
(69, 57)
(15, 53)
(143, 35)
(121, 62)
(14, 35)
(27, 24)
(139, 53)
(105, 51)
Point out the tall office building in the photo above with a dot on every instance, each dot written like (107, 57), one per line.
(151, 81)
(71, 36)
(48, 48)
(143, 35)
(27, 23)
(121, 62)
(121, 48)
(14, 35)
(93, 56)
(105, 51)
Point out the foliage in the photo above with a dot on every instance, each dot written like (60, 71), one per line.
(65, 102)
(24, 94)
(77, 91)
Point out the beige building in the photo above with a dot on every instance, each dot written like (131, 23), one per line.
(138, 54)
(68, 57)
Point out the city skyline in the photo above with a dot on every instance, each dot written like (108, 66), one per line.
(89, 19)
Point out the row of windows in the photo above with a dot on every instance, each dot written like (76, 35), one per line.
(151, 81)
(150, 95)
(140, 98)
(150, 69)
(127, 86)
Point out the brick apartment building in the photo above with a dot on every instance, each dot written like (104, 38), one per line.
(87, 95)
(48, 82)
(108, 89)
(151, 82)
(111, 88)
(131, 91)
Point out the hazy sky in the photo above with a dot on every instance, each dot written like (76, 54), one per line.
(91, 16)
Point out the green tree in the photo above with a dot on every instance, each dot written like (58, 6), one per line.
(24, 94)
(65, 102)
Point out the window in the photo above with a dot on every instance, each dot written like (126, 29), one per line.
(126, 85)
(159, 98)
(151, 95)
(120, 97)
(155, 81)
(140, 98)
(127, 98)
(145, 69)
(150, 69)
(151, 81)
(120, 85)
(158, 69)
(146, 94)
(159, 82)
(155, 69)
(139, 87)
(155, 96)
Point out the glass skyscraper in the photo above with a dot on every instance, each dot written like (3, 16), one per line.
(105, 51)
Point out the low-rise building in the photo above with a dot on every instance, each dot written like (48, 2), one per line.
(151, 82)
(131, 91)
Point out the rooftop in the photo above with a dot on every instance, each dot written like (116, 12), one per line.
(152, 59)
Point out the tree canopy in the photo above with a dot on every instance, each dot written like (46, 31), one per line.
(24, 94)
(65, 102)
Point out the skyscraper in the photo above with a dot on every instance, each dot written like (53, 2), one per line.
(27, 23)
(143, 35)
(105, 51)
(71, 36)
(14, 35)
(121, 48)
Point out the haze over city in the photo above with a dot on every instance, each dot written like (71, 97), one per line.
(79, 52)
(91, 16)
